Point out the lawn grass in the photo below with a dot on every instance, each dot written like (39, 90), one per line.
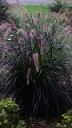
(33, 9)
(19, 10)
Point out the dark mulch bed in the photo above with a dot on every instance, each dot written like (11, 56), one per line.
(42, 124)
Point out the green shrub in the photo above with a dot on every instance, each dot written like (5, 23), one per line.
(70, 7)
(9, 117)
(57, 5)
(63, 19)
(66, 120)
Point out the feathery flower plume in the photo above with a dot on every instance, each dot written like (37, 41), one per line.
(20, 31)
(67, 30)
(1, 42)
(3, 26)
(26, 15)
(42, 47)
(28, 75)
(36, 61)
(36, 21)
(32, 34)
(45, 27)
(39, 15)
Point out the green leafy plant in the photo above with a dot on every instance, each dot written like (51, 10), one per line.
(9, 117)
(70, 7)
(66, 120)
(63, 19)
(57, 5)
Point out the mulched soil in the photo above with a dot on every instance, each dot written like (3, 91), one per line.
(42, 124)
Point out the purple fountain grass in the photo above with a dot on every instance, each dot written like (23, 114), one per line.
(36, 74)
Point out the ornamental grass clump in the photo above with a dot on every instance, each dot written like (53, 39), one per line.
(35, 69)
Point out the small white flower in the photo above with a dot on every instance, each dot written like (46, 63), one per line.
(11, 35)
(9, 39)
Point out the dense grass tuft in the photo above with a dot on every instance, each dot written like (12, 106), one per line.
(35, 69)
